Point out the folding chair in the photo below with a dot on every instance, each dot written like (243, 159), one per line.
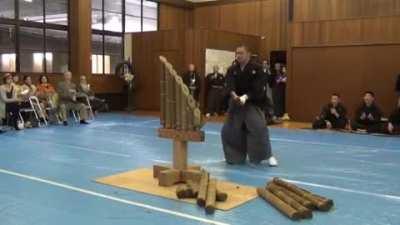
(36, 109)
(76, 116)
(53, 109)
(89, 108)
(86, 101)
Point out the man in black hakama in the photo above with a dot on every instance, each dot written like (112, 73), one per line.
(244, 133)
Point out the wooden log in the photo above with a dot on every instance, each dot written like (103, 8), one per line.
(190, 115)
(191, 175)
(198, 122)
(162, 95)
(324, 204)
(169, 177)
(296, 197)
(180, 155)
(172, 101)
(184, 107)
(304, 212)
(167, 107)
(194, 136)
(178, 102)
(158, 168)
(194, 167)
(211, 196)
(320, 205)
(283, 207)
(202, 196)
(194, 187)
(221, 196)
(183, 191)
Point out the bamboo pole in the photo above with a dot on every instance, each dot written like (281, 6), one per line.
(279, 204)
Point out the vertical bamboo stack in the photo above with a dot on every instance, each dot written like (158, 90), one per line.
(163, 96)
(179, 110)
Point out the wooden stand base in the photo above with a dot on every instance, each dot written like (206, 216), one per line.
(168, 176)
(179, 172)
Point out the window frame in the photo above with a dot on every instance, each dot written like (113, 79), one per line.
(105, 33)
(17, 22)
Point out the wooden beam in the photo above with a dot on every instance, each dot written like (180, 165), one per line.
(80, 37)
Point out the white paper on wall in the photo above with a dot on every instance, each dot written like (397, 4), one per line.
(221, 58)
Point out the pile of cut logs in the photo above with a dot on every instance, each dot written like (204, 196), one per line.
(204, 191)
(293, 201)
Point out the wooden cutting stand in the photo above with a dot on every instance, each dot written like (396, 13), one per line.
(179, 171)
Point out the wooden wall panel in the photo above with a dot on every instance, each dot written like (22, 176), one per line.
(265, 18)
(172, 17)
(347, 32)
(243, 17)
(346, 46)
(181, 47)
(316, 10)
(349, 70)
(147, 47)
(207, 17)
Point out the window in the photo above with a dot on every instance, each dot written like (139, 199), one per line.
(31, 49)
(97, 14)
(7, 9)
(97, 54)
(41, 28)
(113, 22)
(57, 12)
(150, 15)
(7, 48)
(57, 51)
(133, 16)
(110, 20)
(31, 10)
(106, 55)
(113, 46)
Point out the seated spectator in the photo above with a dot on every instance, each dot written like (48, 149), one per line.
(46, 92)
(9, 102)
(28, 89)
(84, 89)
(48, 98)
(17, 85)
(67, 92)
(393, 126)
(333, 115)
(368, 116)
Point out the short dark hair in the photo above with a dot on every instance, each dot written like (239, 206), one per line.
(6, 76)
(26, 77)
(243, 46)
(370, 93)
(336, 94)
(41, 77)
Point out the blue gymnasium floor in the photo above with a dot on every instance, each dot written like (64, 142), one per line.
(46, 175)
